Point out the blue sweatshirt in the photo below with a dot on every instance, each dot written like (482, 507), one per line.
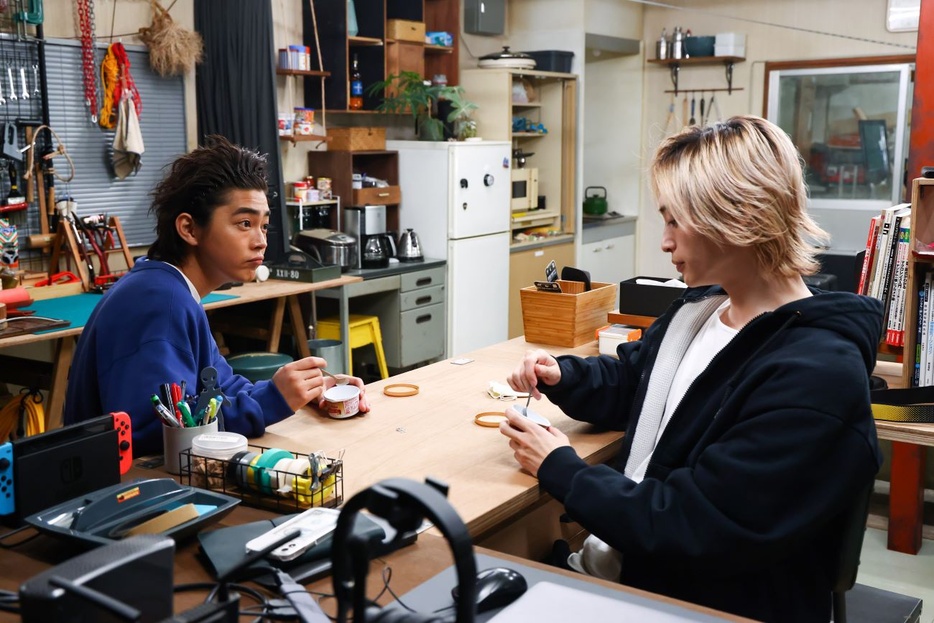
(741, 503)
(148, 330)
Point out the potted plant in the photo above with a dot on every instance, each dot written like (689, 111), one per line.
(439, 111)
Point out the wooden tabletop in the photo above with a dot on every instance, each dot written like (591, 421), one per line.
(247, 293)
(433, 434)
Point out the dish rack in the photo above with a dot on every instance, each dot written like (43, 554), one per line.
(269, 478)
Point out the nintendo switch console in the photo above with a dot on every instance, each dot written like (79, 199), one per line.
(43, 470)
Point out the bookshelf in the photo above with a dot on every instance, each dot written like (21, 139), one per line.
(922, 231)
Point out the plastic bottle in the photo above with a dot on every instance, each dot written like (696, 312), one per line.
(661, 46)
(356, 86)
(352, 29)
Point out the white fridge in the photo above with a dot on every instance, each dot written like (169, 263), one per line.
(455, 196)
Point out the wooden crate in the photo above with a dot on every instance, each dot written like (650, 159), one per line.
(357, 139)
(405, 30)
(566, 319)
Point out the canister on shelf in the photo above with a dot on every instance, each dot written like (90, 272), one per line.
(285, 124)
(324, 187)
(300, 191)
(304, 121)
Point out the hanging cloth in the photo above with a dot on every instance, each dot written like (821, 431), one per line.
(116, 79)
(128, 140)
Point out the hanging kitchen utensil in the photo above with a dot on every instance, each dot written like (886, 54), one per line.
(595, 204)
(15, 200)
(10, 140)
(693, 102)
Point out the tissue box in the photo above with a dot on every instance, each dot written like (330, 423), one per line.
(614, 335)
(646, 300)
(564, 319)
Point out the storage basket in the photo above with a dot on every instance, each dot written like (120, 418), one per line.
(357, 139)
(263, 486)
(569, 318)
(405, 30)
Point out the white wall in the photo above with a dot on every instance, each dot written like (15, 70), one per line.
(860, 19)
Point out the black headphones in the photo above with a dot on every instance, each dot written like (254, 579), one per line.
(403, 503)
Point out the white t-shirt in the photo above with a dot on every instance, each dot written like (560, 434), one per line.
(709, 341)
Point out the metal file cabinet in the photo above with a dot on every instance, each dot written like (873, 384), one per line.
(416, 334)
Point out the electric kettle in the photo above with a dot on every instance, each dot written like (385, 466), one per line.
(409, 249)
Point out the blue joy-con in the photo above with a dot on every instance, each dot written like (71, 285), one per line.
(7, 501)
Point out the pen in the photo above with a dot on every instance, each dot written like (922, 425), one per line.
(176, 397)
(167, 418)
(182, 407)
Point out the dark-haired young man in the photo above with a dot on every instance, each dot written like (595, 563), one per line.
(150, 328)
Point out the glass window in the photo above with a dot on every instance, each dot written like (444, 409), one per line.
(849, 124)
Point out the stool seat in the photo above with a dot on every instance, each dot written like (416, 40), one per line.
(258, 366)
(363, 330)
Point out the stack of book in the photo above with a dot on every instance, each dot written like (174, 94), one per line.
(884, 273)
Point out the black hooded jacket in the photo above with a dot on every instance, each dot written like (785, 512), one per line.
(741, 501)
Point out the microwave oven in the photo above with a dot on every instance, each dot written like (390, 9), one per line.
(524, 189)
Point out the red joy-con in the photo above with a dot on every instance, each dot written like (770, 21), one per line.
(124, 440)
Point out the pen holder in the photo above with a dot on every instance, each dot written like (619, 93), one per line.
(176, 441)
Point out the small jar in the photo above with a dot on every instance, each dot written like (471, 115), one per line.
(299, 191)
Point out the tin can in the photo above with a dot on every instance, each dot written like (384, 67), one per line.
(324, 187)
(300, 191)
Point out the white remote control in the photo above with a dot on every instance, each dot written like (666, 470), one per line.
(315, 524)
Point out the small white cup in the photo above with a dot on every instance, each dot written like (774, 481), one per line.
(342, 401)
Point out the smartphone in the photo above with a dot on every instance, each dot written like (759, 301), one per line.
(551, 271)
(314, 524)
(548, 286)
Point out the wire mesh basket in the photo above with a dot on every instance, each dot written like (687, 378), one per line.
(271, 478)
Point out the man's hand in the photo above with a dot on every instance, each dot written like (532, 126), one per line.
(530, 442)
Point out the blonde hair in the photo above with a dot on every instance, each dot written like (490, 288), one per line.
(740, 182)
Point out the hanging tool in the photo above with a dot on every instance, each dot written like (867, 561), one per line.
(9, 75)
(684, 109)
(22, 82)
(693, 102)
(671, 122)
(710, 108)
(703, 115)
(15, 200)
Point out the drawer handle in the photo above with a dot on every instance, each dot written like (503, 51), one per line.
(424, 281)
(422, 300)
(382, 194)
(422, 319)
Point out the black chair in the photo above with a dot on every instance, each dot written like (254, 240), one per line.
(852, 527)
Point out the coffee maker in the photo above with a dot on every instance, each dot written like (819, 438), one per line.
(368, 225)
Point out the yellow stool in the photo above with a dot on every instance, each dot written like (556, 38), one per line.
(363, 330)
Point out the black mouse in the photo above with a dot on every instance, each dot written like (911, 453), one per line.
(496, 588)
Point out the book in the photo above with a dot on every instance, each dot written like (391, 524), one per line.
(895, 330)
(883, 249)
(869, 256)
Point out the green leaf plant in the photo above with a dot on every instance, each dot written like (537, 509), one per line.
(409, 93)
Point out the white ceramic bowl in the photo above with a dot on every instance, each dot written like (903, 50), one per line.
(342, 401)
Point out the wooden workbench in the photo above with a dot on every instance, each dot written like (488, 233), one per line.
(77, 308)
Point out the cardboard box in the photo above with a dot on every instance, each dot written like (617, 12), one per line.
(646, 300)
(404, 30)
(357, 139)
(563, 319)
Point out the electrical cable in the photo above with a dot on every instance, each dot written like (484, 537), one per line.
(23, 416)
(4, 537)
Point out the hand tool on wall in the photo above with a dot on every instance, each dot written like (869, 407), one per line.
(693, 102)
(9, 75)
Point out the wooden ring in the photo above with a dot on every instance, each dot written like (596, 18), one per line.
(400, 390)
(490, 419)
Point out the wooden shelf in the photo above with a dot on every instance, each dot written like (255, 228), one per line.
(301, 138)
(529, 134)
(302, 72)
(439, 49)
(697, 60)
(527, 105)
(364, 42)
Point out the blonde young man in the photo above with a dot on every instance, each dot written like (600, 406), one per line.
(746, 405)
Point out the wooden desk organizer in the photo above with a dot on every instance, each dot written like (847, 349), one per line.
(569, 318)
